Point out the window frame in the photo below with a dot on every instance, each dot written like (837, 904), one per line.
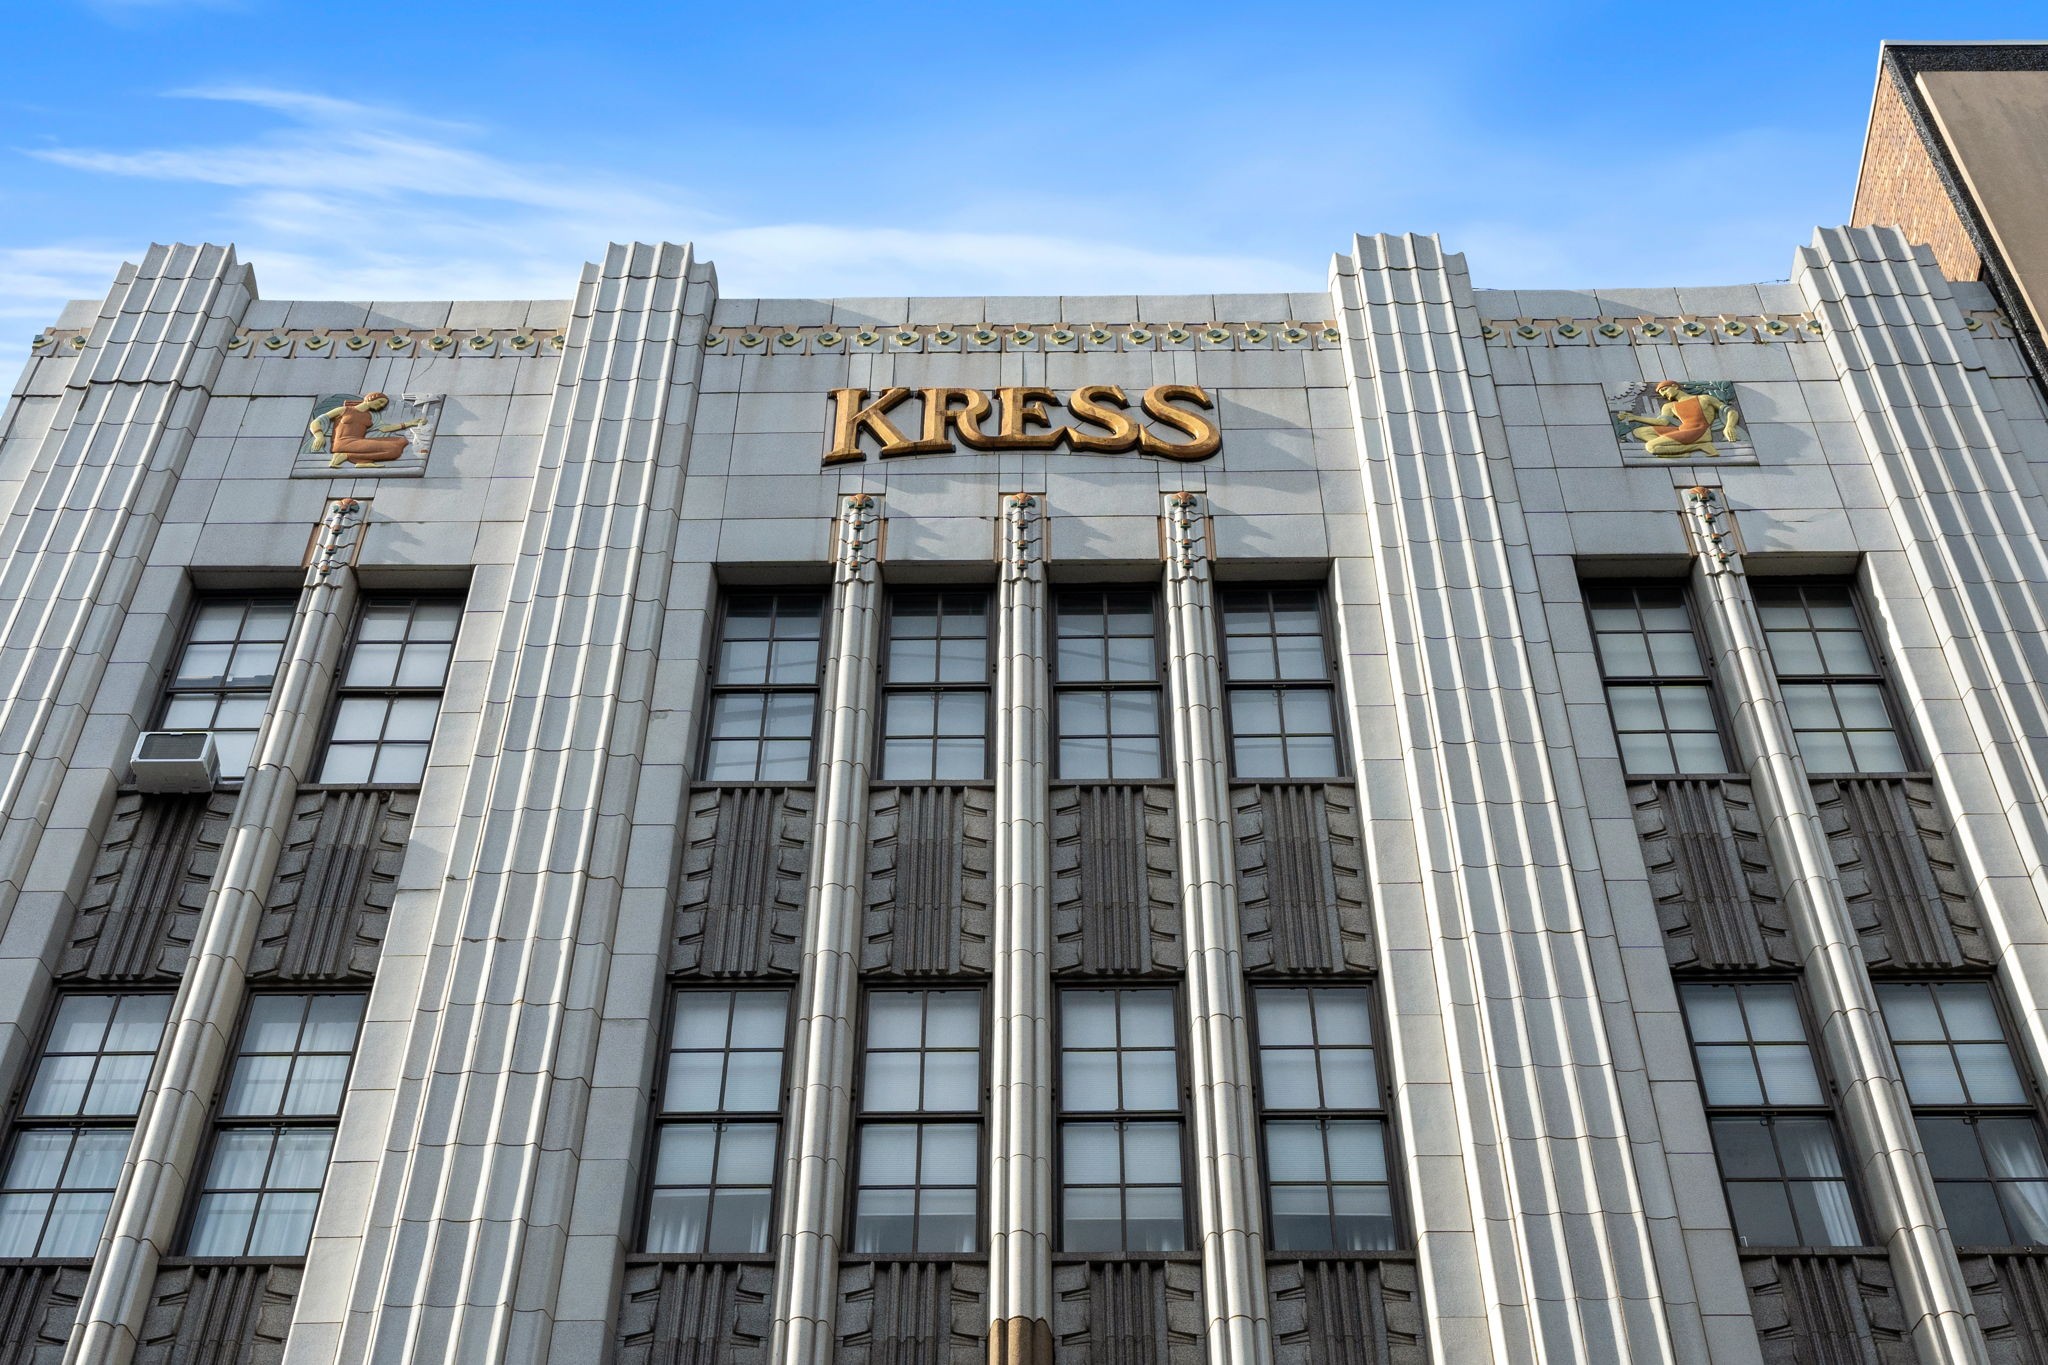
(885, 685)
(1829, 1110)
(1708, 678)
(1909, 747)
(339, 691)
(1061, 1116)
(714, 689)
(1332, 684)
(862, 1118)
(657, 1117)
(1158, 687)
(169, 690)
(1397, 1183)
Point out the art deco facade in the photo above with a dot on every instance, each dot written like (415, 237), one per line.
(1281, 829)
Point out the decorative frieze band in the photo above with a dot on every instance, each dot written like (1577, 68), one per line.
(941, 338)
(1724, 329)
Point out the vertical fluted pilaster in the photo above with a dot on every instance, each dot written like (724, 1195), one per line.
(1020, 1055)
(1884, 1145)
(814, 1175)
(1219, 1049)
(171, 1127)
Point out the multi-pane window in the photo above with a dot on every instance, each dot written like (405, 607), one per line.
(1106, 685)
(721, 1109)
(935, 688)
(1975, 1115)
(1120, 1122)
(276, 1126)
(390, 692)
(764, 688)
(1830, 679)
(75, 1122)
(1280, 686)
(917, 1180)
(1657, 689)
(224, 673)
(1773, 1126)
(1325, 1120)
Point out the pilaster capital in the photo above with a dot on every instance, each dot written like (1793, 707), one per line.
(1710, 530)
(1187, 537)
(1023, 536)
(858, 543)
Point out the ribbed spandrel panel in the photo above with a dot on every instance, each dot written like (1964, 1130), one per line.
(1827, 1308)
(1892, 849)
(1347, 1310)
(213, 1313)
(928, 882)
(1115, 888)
(1711, 874)
(330, 902)
(1301, 887)
(911, 1312)
(690, 1312)
(1128, 1310)
(140, 908)
(746, 854)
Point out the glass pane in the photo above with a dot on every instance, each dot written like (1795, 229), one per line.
(1349, 1081)
(1084, 760)
(1150, 1081)
(888, 1154)
(81, 1023)
(895, 1019)
(347, 765)
(1807, 1147)
(96, 1158)
(1824, 1214)
(1698, 753)
(953, 1018)
(952, 1154)
(739, 1221)
(1909, 1012)
(958, 760)
(38, 1158)
(316, 1085)
(1152, 1153)
(946, 1220)
(273, 1023)
(331, 1023)
(138, 1024)
(676, 1220)
(1762, 1213)
(1254, 758)
(1877, 751)
(412, 718)
(1973, 1213)
(1155, 1220)
(1930, 1073)
(1089, 1154)
(405, 763)
(1625, 656)
(1301, 1218)
(118, 1083)
(300, 1161)
(239, 1160)
(1728, 1075)
(59, 1086)
(1967, 1009)
(1091, 1220)
(1773, 1014)
(684, 1154)
(1294, 1150)
(1357, 1149)
(1088, 1080)
(701, 1018)
(1825, 751)
(21, 1223)
(1363, 1217)
(892, 1081)
(695, 1083)
(220, 1226)
(746, 1154)
(1088, 1018)
(358, 719)
(283, 1225)
(1316, 757)
(1744, 1148)
(256, 1086)
(1284, 1016)
(1951, 1147)
(372, 666)
(1788, 1075)
(753, 1082)
(884, 1221)
(2012, 1147)
(1290, 1078)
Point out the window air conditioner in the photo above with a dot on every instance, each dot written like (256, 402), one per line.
(175, 761)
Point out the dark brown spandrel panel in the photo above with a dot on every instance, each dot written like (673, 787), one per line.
(1897, 864)
(694, 1312)
(1128, 1312)
(218, 1314)
(746, 863)
(1115, 881)
(1347, 1312)
(1301, 878)
(38, 1304)
(1711, 874)
(1827, 1308)
(141, 908)
(337, 875)
(2010, 1291)
(927, 895)
(912, 1313)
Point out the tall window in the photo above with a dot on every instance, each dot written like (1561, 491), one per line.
(919, 1170)
(1120, 1122)
(1975, 1114)
(391, 691)
(276, 1126)
(1657, 689)
(75, 1122)
(224, 674)
(764, 688)
(935, 688)
(1281, 688)
(721, 1117)
(1106, 685)
(1830, 678)
(1325, 1119)
(1772, 1123)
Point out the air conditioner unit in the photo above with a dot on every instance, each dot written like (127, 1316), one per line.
(175, 761)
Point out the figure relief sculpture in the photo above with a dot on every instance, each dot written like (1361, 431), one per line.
(1672, 420)
(349, 431)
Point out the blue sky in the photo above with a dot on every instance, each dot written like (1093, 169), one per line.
(385, 150)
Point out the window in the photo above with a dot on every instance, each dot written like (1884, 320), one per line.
(1830, 680)
(935, 688)
(764, 688)
(1282, 699)
(1657, 689)
(224, 674)
(919, 1173)
(72, 1133)
(1325, 1119)
(1772, 1124)
(1976, 1118)
(1120, 1122)
(391, 691)
(276, 1126)
(1106, 685)
(721, 1118)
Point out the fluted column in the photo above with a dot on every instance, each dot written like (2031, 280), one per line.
(1021, 1060)
(1884, 1144)
(1219, 1049)
(171, 1126)
(814, 1176)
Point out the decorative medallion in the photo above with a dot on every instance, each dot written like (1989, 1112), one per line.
(828, 339)
(866, 338)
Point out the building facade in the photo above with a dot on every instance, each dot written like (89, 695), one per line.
(1392, 825)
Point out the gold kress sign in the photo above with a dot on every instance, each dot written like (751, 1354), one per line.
(1102, 421)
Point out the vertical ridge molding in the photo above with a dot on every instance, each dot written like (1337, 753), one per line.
(1020, 1304)
(1973, 532)
(820, 1124)
(466, 1250)
(170, 1129)
(1227, 1177)
(1568, 1264)
(1884, 1144)
(72, 552)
